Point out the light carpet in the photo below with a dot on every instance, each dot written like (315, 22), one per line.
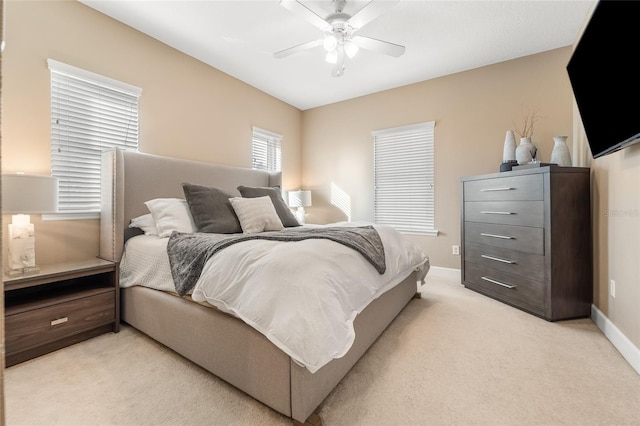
(451, 357)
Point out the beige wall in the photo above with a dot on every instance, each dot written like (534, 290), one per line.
(472, 110)
(187, 108)
(616, 232)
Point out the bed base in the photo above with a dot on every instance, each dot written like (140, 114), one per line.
(243, 357)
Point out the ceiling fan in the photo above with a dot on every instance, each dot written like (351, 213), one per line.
(339, 28)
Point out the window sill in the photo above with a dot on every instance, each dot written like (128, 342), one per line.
(429, 233)
(70, 216)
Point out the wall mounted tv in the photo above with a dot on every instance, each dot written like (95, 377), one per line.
(605, 78)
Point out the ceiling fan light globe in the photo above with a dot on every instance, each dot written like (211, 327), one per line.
(330, 42)
(350, 48)
(332, 57)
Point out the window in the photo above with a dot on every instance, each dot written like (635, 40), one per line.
(403, 178)
(89, 114)
(266, 152)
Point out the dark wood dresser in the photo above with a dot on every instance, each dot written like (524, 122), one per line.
(526, 239)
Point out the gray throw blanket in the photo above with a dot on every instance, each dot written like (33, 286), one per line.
(188, 253)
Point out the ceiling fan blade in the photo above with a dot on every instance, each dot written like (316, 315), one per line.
(298, 48)
(304, 12)
(379, 46)
(369, 12)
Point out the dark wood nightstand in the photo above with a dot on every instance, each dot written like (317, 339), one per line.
(59, 306)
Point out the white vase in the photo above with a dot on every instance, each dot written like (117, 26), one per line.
(509, 150)
(560, 154)
(526, 151)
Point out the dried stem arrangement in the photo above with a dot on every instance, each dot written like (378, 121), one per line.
(530, 120)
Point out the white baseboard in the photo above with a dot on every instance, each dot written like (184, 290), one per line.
(445, 273)
(626, 348)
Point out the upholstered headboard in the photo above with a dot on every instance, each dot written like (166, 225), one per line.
(131, 178)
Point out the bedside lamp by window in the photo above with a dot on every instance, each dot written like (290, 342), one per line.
(300, 200)
(23, 195)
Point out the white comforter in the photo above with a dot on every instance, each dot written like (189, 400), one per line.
(303, 296)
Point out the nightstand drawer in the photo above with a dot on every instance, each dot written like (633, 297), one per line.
(33, 328)
(521, 213)
(510, 261)
(522, 238)
(513, 289)
(516, 188)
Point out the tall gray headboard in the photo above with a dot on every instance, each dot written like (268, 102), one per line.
(131, 178)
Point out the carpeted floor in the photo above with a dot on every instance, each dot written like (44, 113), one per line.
(452, 357)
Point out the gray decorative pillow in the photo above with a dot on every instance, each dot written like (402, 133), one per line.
(211, 210)
(286, 216)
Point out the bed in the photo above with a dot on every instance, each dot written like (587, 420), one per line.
(207, 334)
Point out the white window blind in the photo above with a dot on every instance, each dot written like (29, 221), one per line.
(404, 178)
(89, 114)
(266, 151)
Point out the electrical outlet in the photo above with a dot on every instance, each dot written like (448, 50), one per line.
(455, 250)
(612, 288)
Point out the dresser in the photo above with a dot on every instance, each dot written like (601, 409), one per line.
(526, 239)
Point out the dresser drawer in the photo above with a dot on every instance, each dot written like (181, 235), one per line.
(515, 188)
(522, 238)
(522, 292)
(521, 213)
(511, 261)
(36, 327)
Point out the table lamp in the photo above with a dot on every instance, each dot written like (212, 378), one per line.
(23, 195)
(300, 200)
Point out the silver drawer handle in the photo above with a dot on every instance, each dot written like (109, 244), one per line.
(498, 282)
(504, 237)
(490, 212)
(496, 189)
(497, 259)
(59, 321)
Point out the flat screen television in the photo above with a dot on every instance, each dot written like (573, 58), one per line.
(605, 78)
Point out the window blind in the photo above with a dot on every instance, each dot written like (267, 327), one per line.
(266, 151)
(404, 178)
(89, 114)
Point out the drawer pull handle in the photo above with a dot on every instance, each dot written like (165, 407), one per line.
(504, 237)
(496, 189)
(498, 282)
(59, 321)
(497, 259)
(490, 212)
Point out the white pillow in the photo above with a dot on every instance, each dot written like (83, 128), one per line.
(171, 214)
(146, 223)
(256, 214)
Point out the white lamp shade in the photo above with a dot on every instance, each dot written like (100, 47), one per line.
(350, 48)
(330, 42)
(26, 194)
(299, 198)
(332, 57)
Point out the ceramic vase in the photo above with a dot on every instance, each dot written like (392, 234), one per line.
(560, 154)
(509, 151)
(526, 151)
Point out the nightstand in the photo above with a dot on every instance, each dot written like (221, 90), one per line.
(61, 305)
